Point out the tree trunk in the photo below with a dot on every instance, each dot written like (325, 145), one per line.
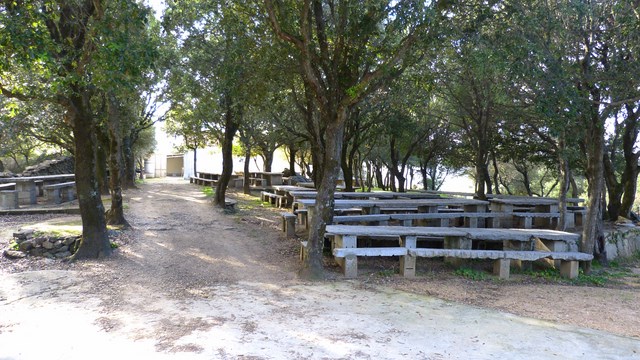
(95, 241)
(129, 179)
(325, 197)
(246, 188)
(292, 160)
(102, 151)
(115, 215)
(592, 235)
(563, 171)
(614, 188)
(195, 161)
(230, 128)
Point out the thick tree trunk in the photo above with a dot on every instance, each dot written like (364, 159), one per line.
(592, 234)
(102, 152)
(325, 198)
(614, 188)
(95, 241)
(115, 215)
(563, 171)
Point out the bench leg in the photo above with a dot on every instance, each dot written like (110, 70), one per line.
(289, 226)
(408, 262)
(349, 264)
(9, 199)
(304, 250)
(569, 269)
(501, 268)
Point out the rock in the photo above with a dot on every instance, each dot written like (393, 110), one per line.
(13, 254)
(26, 245)
(36, 251)
(39, 240)
(47, 245)
(62, 255)
(23, 234)
(57, 244)
(70, 240)
(64, 248)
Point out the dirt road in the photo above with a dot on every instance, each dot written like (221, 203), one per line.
(192, 283)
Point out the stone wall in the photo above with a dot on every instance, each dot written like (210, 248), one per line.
(62, 165)
(35, 244)
(622, 241)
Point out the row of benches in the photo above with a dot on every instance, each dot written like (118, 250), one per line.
(54, 194)
(517, 244)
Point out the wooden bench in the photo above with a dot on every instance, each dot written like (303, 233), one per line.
(524, 240)
(57, 193)
(471, 219)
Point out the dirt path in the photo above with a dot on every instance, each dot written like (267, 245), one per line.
(190, 282)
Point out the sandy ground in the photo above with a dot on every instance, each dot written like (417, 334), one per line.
(190, 282)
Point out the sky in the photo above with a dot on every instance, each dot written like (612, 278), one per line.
(157, 6)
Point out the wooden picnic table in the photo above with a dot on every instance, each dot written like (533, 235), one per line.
(311, 194)
(27, 186)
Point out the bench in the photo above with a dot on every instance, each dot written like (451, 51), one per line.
(8, 186)
(522, 240)
(57, 193)
(8, 199)
(471, 219)
(302, 217)
(501, 267)
(202, 181)
(289, 224)
(230, 205)
(274, 199)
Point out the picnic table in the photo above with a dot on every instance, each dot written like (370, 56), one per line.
(29, 187)
(517, 244)
(405, 205)
(262, 178)
(547, 209)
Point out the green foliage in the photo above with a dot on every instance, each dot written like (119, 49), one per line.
(471, 274)
(208, 191)
(114, 245)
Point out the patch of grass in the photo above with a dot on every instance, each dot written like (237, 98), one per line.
(14, 246)
(139, 181)
(471, 274)
(208, 191)
(114, 245)
(386, 273)
(595, 278)
(547, 274)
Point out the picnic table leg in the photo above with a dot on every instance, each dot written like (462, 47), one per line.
(474, 222)
(349, 264)
(408, 262)
(456, 242)
(520, 246)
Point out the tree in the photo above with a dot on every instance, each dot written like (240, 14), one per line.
(218, 43)
(346, 51)
(74, 49)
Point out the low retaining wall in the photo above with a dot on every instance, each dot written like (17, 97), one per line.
(622, 242)
(51, 246)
